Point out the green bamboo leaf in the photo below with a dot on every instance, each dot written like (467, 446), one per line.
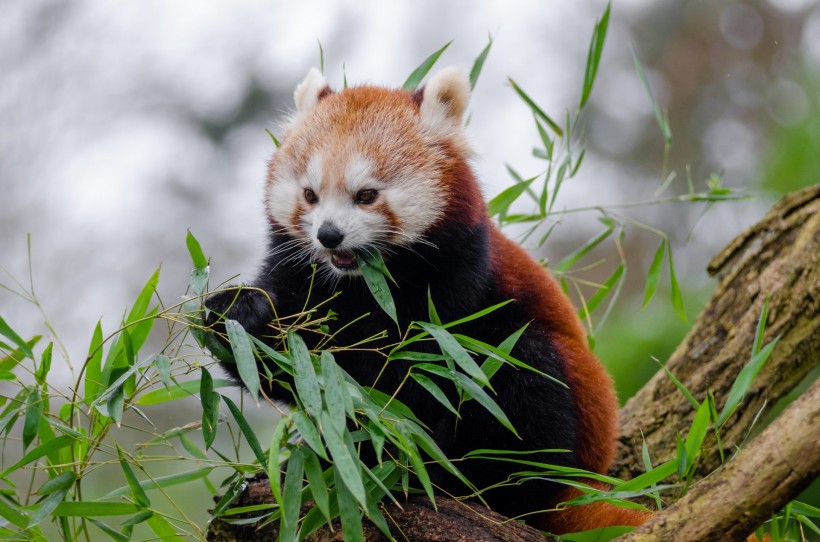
(163, 366)
(334, 390)
(46, 506)
(250, 436)
(535, 108)
(273, 138)
(138, 518)
(274, 471)
(678, 384)
(348, 510)
(432, 313)
(244, 356)
(344, 459)
(477, 315)
(473, 391)
(115, 405)
(113, 534)
(40, 451)
(654, 274)
(596, 46)
(571, 259)
(307, 385)
(677, 297)
(493, 363)
(700, 426)
(309, 433)
(143, 299)
(163, 529)
(451, 346)
(140, 497)
(34, 412)
(377, 283)
(606, 288)
(209, 400)
(9, 362)
(761, 326)
(316, 483)
(415, 78)
(416, 461)
(178, 391)
(684, 462)
(41, 374)
(431, 387)
(744, 380)
(161, 482)
(648, 479)
(15, 338)
(90, 509)
(195, 250)
(12, 515)
(660, 117)
(93, 365)
(479, 63)
(501, 203)
(292, 496)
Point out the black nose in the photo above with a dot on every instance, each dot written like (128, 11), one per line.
(329, 235)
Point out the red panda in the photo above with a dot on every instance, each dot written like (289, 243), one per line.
(371, 168)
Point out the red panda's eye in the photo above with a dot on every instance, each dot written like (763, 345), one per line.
(310, 196)
(366, 196)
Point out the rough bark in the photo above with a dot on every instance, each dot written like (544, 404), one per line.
(778, 258)
(732, 502)
(416, 520)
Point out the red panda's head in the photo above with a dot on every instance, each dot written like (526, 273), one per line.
(368, 168)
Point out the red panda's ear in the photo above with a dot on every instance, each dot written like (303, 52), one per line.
(444, 100)
(310, 91)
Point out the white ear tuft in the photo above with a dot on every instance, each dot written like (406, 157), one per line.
(308, 91)
(445, 99)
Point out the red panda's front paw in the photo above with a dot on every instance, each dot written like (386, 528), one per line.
(251, 307)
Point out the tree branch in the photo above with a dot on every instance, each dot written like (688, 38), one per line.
(731, 503)
(780, 258)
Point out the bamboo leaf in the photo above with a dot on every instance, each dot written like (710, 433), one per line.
(654, 274)
(431, 387)
(451, 346)
(479, 63)
(93, 372)
(195, 250)
(244, 356)
(250, 436)
(209, 400)
(307, 385)
(344, 460)
(31, 422)
(376, 282)
(744, 380)
(309, 433)
(292, 496)
(316, 483)
(9, 333)
(473, 391)
(535, 108)
(94, 509)
(137, 492)
(348, 509)
(178, 391)
(415, 78)
(501, 203)
(571, 259)
(596, 46)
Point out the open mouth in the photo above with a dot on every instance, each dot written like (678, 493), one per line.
(344, 260)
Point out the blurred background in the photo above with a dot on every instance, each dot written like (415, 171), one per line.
(124, 124)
